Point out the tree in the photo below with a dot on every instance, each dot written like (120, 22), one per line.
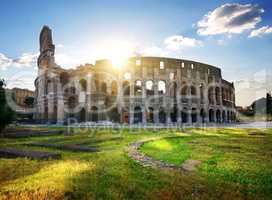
(7, 115)
(29, 101)
(269, 103)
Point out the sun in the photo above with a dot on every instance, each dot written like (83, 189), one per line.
(117, 51)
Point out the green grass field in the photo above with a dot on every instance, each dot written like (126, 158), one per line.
(236, 164)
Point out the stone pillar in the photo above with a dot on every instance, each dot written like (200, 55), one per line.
(189, 115)
(50, 98)
(144, 115)
(168, 116)
(156, 115)
(131, 114)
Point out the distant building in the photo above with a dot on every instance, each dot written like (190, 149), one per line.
(144, 90)
(19, 95)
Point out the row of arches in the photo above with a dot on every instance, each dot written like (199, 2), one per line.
(187, 116)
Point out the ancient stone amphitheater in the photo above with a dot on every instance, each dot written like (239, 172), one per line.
(144, 90)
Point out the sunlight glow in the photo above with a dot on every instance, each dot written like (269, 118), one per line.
(117, 51)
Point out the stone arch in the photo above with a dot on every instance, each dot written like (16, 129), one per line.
(184, 115)
(149, 85)
(202, 115)
(194, 115)
(126, 88)
(138, 88)
(211, 115)
(104, 87)
(211, 95)
(161, 87)
(184, 89)
(228, 116)
(125, 116)
(55, 113)
(193, 90)
(224, 116)
(138, 115)
(82, 115)
(218, 116)
(94, 114)
(150, 115)
(162, 115)
(174, 114)
(46, 112)
(96, 85)
(114, 114)
(114, 88)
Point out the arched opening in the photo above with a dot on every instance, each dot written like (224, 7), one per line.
(174, 114)
(46, 113)
(228, 116)
(162, 116)
(55, 114)
(218, 116)
(94, 114)
(194, 115)
(202, 115)
(161, 87)
(193, 91)
(114, 89)
(125, 116)
(96, 84)
(83, 115)
(104, 87)
(184, 90)
(72, 102)
(224, 116)
(211, 95)
(211, 115)
(149, 88)
(138, 114)
(126, 88)
(114, 115)
(184, 115)
(138, 88)
(150, 115)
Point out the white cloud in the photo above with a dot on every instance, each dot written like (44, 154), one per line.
(26, 60)
(230, 18)
(177, 42)
(261, 31)
(4, 61)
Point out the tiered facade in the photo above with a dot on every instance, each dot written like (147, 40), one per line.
(144, 90)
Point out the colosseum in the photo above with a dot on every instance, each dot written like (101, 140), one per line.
(144, 90)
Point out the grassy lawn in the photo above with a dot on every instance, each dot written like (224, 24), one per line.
(235, 165)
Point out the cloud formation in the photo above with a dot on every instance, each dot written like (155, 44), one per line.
(4, 61)
(230, 18)
(25, 60)
(177, 42)
(261, 31)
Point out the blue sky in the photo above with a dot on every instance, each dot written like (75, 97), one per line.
(159, 28)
